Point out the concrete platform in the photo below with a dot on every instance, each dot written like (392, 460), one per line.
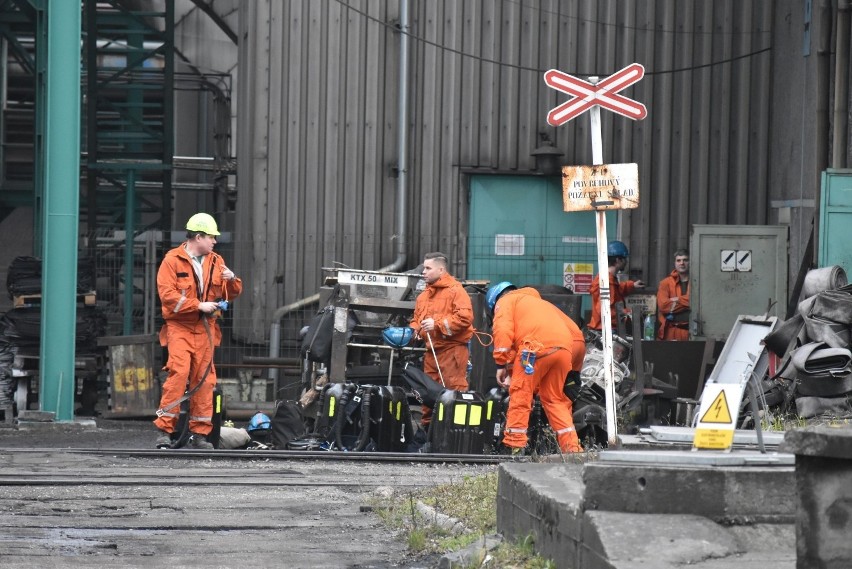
(613, 514)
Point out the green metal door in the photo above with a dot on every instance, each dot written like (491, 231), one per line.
(835, 247)
(519, 233)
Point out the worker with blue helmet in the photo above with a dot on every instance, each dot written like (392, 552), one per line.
(536, 345)
(617, 254)
(495, 292)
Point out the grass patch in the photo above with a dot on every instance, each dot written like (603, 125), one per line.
(470, 501)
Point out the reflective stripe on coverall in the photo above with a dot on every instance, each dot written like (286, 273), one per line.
(670, 288)
(618, 292)
(184, 334)
(446, 302)
(522, 316)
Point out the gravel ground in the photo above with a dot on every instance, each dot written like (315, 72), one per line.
(67, 508)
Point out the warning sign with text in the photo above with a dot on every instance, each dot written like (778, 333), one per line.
(601, 187)
(717, 416)
(577, 277)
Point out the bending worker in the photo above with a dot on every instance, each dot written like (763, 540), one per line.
(191, 281)
(673, 300)
(617, 254)
(525, 322)
(443, 318)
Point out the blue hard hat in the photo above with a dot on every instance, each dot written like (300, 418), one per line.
(495, 291)
(397, 336)
(616, 249)
(259, 421)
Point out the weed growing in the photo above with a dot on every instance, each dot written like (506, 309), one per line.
(470, 501)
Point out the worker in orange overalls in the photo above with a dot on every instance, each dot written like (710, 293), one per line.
(191, 282)
(618, 291)
(523, 321)
(443, 318)
(673, 300)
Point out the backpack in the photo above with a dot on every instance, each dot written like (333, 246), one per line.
(316, 345)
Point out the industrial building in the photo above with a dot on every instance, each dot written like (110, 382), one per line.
(363, 134)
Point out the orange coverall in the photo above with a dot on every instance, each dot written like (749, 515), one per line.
(522, 317)
(618, 292)
(189, 343)
(448, 304)
(676, 328)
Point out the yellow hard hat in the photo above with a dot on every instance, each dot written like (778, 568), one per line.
(202, 222)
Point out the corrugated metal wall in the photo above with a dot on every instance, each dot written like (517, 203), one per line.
(317, 122)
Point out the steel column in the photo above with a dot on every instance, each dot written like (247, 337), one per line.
(61, 209)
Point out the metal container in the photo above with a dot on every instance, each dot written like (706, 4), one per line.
(134, 389)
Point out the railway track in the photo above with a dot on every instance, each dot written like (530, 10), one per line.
(142, 467)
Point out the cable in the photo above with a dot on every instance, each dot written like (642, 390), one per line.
(635, 28)
(524, 68)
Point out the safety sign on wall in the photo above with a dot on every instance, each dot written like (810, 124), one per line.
(578, 277)
(736, 261)
(717, 416)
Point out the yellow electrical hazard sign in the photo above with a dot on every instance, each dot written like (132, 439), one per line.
(718, 411)
(717, 414)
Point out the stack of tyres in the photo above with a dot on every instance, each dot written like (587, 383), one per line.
(390, 419)
(459, 424)
(496, 407)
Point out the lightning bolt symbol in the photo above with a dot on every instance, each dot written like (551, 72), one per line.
(718, 406)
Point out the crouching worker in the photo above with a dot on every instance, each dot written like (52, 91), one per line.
(535, 346)
(191, 282)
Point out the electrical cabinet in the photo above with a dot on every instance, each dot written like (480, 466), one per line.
(736, 270)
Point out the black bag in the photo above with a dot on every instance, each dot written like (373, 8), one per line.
(287, 424)
(426, 390)
(316, 345)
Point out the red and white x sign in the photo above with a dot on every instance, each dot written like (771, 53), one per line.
(587, 95)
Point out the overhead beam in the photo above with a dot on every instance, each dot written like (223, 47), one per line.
(217, 19)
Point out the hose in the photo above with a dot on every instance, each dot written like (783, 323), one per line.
(364, 434)
(183, 436)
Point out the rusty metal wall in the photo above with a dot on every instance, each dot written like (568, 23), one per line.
(317, 122)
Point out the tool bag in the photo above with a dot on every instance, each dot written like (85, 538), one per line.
(287, 424)
(425, 389)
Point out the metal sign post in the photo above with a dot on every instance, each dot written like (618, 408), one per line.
(603, 282)
(608, 191)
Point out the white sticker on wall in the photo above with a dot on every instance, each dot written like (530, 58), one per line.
(505, 244)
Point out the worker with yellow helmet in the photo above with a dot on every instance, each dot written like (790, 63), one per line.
(192, 282)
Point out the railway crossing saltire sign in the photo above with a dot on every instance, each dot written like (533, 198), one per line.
(603, 93)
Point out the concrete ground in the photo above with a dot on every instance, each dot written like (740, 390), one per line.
(71, 508)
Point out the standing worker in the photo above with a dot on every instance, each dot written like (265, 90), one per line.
(525, 324)
(192, 282)
(673, 300)
(443, 318)
(617, 254)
